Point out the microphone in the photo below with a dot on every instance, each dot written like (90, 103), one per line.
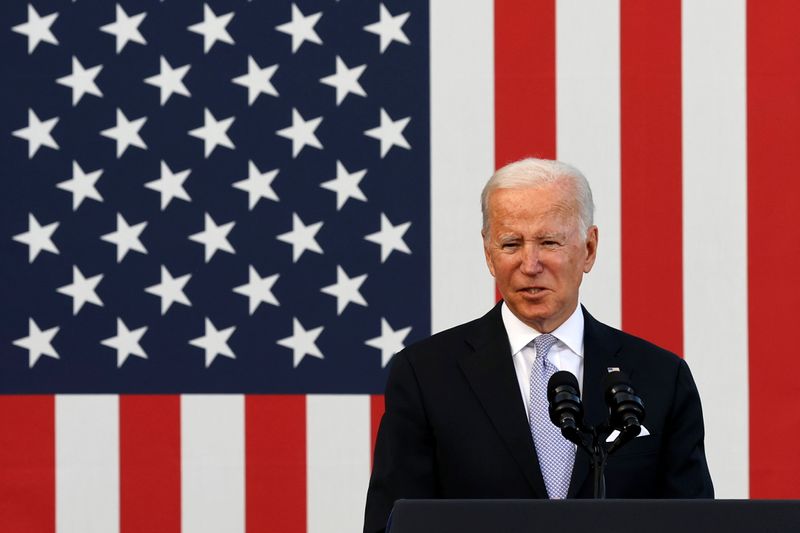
(566, 410)
(626, 409)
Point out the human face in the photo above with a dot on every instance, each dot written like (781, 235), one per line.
(536, 252)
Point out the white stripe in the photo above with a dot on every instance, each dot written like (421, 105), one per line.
(212, 463)
(87, 464)
(715, 230)
(338, 455)
(588, 133)
(462, 157)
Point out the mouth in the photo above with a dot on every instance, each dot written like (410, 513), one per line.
(532, 291)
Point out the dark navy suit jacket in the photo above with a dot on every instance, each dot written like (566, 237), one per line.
(455, 424)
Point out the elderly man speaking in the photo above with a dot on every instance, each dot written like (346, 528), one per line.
(466, 409)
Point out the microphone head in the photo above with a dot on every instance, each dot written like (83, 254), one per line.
(559, 381)
(565, 408)
(626, 408)
(615, 379)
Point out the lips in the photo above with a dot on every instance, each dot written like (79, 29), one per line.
(532, 291)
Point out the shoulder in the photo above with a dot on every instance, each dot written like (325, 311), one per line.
(659, 375)
(598, 335)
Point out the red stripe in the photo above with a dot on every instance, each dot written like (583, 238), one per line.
(275, 458)
(524, 80)
(773, 116)
(27, 463)
(150, 464)
(650, 87)
(376, 407)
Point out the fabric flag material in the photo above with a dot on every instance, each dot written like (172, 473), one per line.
(220, 220)
(216, 225)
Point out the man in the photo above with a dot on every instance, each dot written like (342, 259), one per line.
(466, 412)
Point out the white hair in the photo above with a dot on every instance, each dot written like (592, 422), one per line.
(533, 173)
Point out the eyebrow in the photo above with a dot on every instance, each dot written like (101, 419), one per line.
(538, 236)
(552, 235)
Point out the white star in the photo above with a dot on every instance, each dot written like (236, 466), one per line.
(257, 185)
(126, 237)
(126, 133)
(170, 290)
(213, 132)
(345, 185)
(257, 80)
(170, 185)
(126, 342)
(389, 28)
(214, 342)
(214, 237)
(302, 342)
(125, 28)
(390, 133)
(82, 290)
(169, 80)
(37, 29)
(390, 342)
(37, 237)
(301, 237)
(37, 133)
(301, 28)
(81, 185)
(81, 81)
(258, 289)
(346, 290)
(301, 132)
(345, 80)
(38, 342)
(213, 28)
(390, 237)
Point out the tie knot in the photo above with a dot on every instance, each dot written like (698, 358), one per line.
(543, 343)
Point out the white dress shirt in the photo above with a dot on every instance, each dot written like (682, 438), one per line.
(566, 354)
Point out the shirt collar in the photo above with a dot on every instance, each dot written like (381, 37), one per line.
(570, 333)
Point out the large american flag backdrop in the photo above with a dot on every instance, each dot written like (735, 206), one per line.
(221, 219)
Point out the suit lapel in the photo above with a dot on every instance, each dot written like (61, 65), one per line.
(600, 351)
(490, 372)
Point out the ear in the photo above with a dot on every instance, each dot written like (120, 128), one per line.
(487, 254)
(591, 249)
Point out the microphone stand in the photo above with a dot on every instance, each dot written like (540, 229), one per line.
(592, 443)
(599, 457)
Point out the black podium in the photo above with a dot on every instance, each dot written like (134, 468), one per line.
(595, 516)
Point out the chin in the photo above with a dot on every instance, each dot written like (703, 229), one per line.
(532, 311)
(532, 316)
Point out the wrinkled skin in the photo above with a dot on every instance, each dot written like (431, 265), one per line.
(536, 252)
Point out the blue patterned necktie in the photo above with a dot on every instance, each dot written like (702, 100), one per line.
(556, 454)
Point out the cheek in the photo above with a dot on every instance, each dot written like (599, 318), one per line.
(490, 261)
(506, 264)
(505, 275)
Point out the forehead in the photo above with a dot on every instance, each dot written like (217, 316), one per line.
(550, 203)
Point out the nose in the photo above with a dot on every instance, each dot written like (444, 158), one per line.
(531, 261)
